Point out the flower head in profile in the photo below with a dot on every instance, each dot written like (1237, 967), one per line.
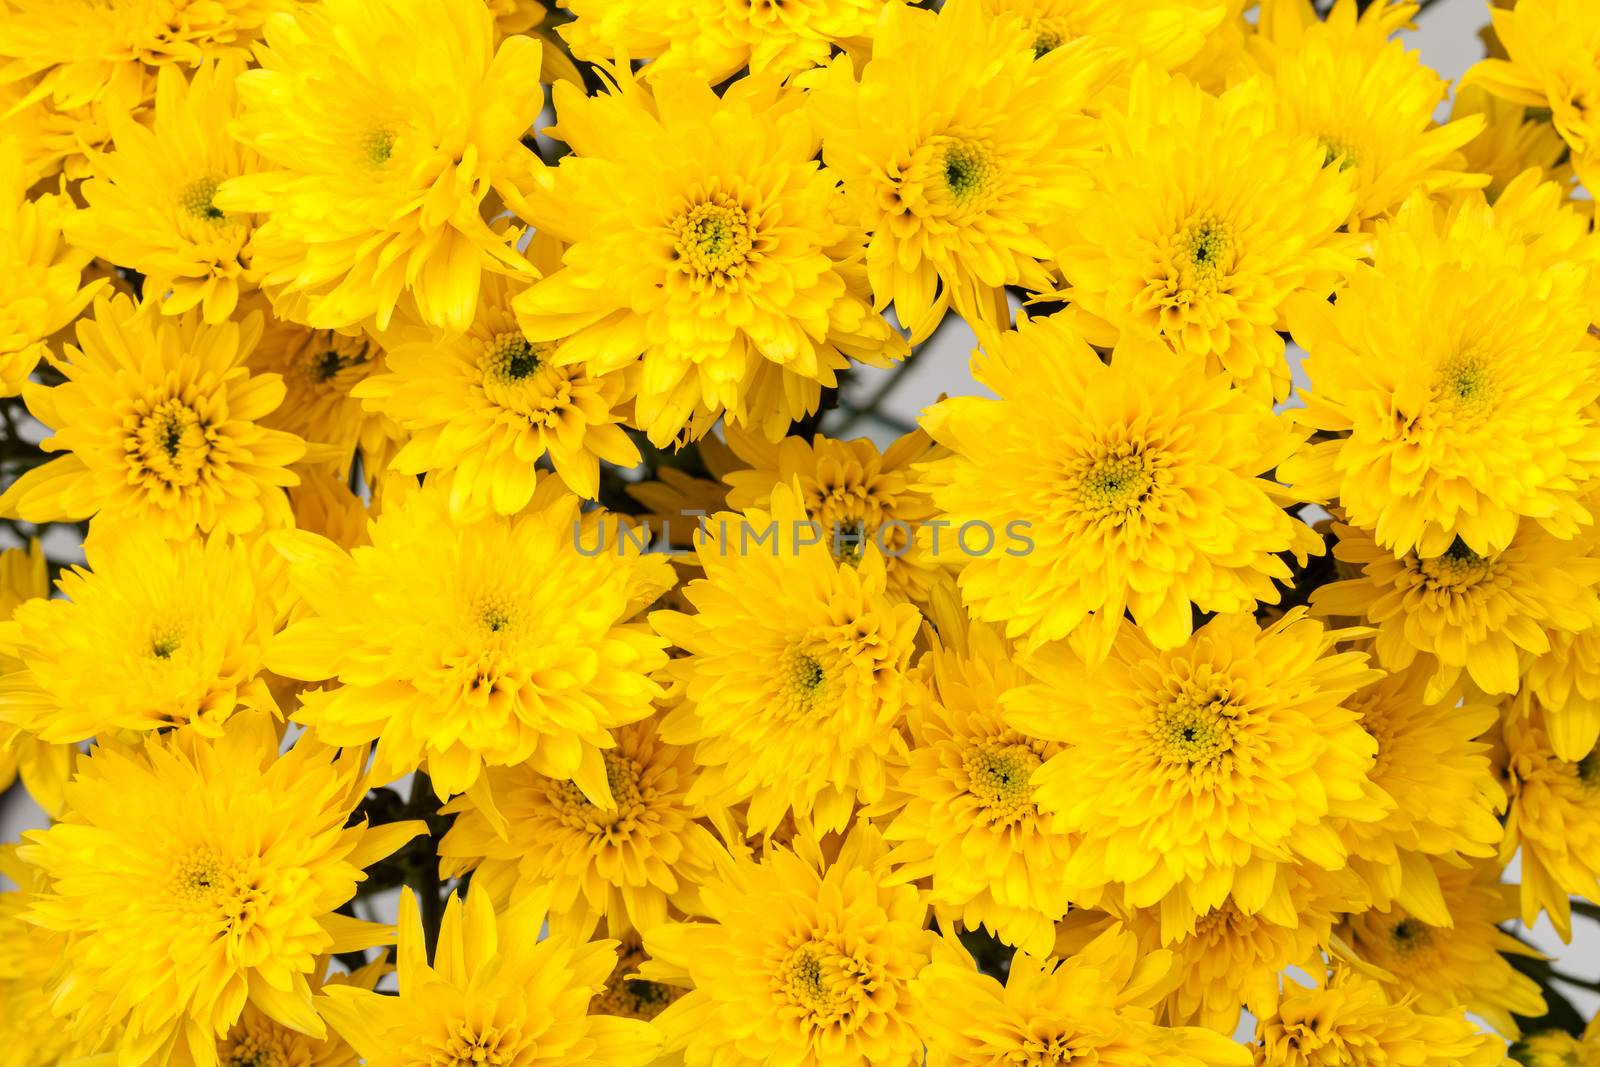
(1350, 1019)
(494, 993)
(159, 420)
(983, 146)
(1554, 819)
(383, 131)
(1467, 613)
(869, 496)
(1366, 101)
(149, 201)
(707, 250)
(320, 371)
(1489, 420)
(1565, 682)
(1204, 219)
(1548, 64)
(794, 682)
(1515, 139)
(454, 647)
(801, 962)
(1095, 1006)
(43, 767)
(487, 404)
(193, 877)
(41, 278)
(1174, 762)
(1556, 1048)
(1140, 488)
(627, 862)
(182, 625)
(712, 40)
(964, 813)
(1164, 33)
(1458, 966)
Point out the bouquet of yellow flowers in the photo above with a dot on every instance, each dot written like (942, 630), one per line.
(448, 621)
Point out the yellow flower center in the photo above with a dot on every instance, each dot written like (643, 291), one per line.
(629, 802)
(1116, 483)
(1457, 570)
(166, 639)
(170, 444)
(196, 198)
(802, 684)
(830, 986)
(479, 1042)
(713, 240)
(1000, 776)
(1337, 149)
(518, 378)
(263, 1045)
(377, 146)
(1589, 770)
(1205, 254)
(210, 889)
(510, 358)
(1409, 936)
(1197, 728)
(1465, 387)
(970, 173)
(322, 363)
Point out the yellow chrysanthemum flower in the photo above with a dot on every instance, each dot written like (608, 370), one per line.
(41, 288)
(712, 40)
(871, 497)
(87, 48)
(703, 235)
(159, 420)
(320, 371)
(626, 862)
(1555, 820)
(793, 686)
(388, 127)
(1177, 763)
(1434, 765)
(43, 767)
(1457, 967)
(51, 141)
(633, 997)
(1095, 1006)
(956, 147)
(1465, 612)
(1139, 488)
(1489, 419)
(455, 648)
(964, 811)
(1203, 220)
(487, 404)
(1550, 48)
(182, 624)
(803, 962)
(192, 877)
(149, 200)
(494, 993)
(1351, 1020)
(1231, 959)
(1367, 102)
(1164, 33)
